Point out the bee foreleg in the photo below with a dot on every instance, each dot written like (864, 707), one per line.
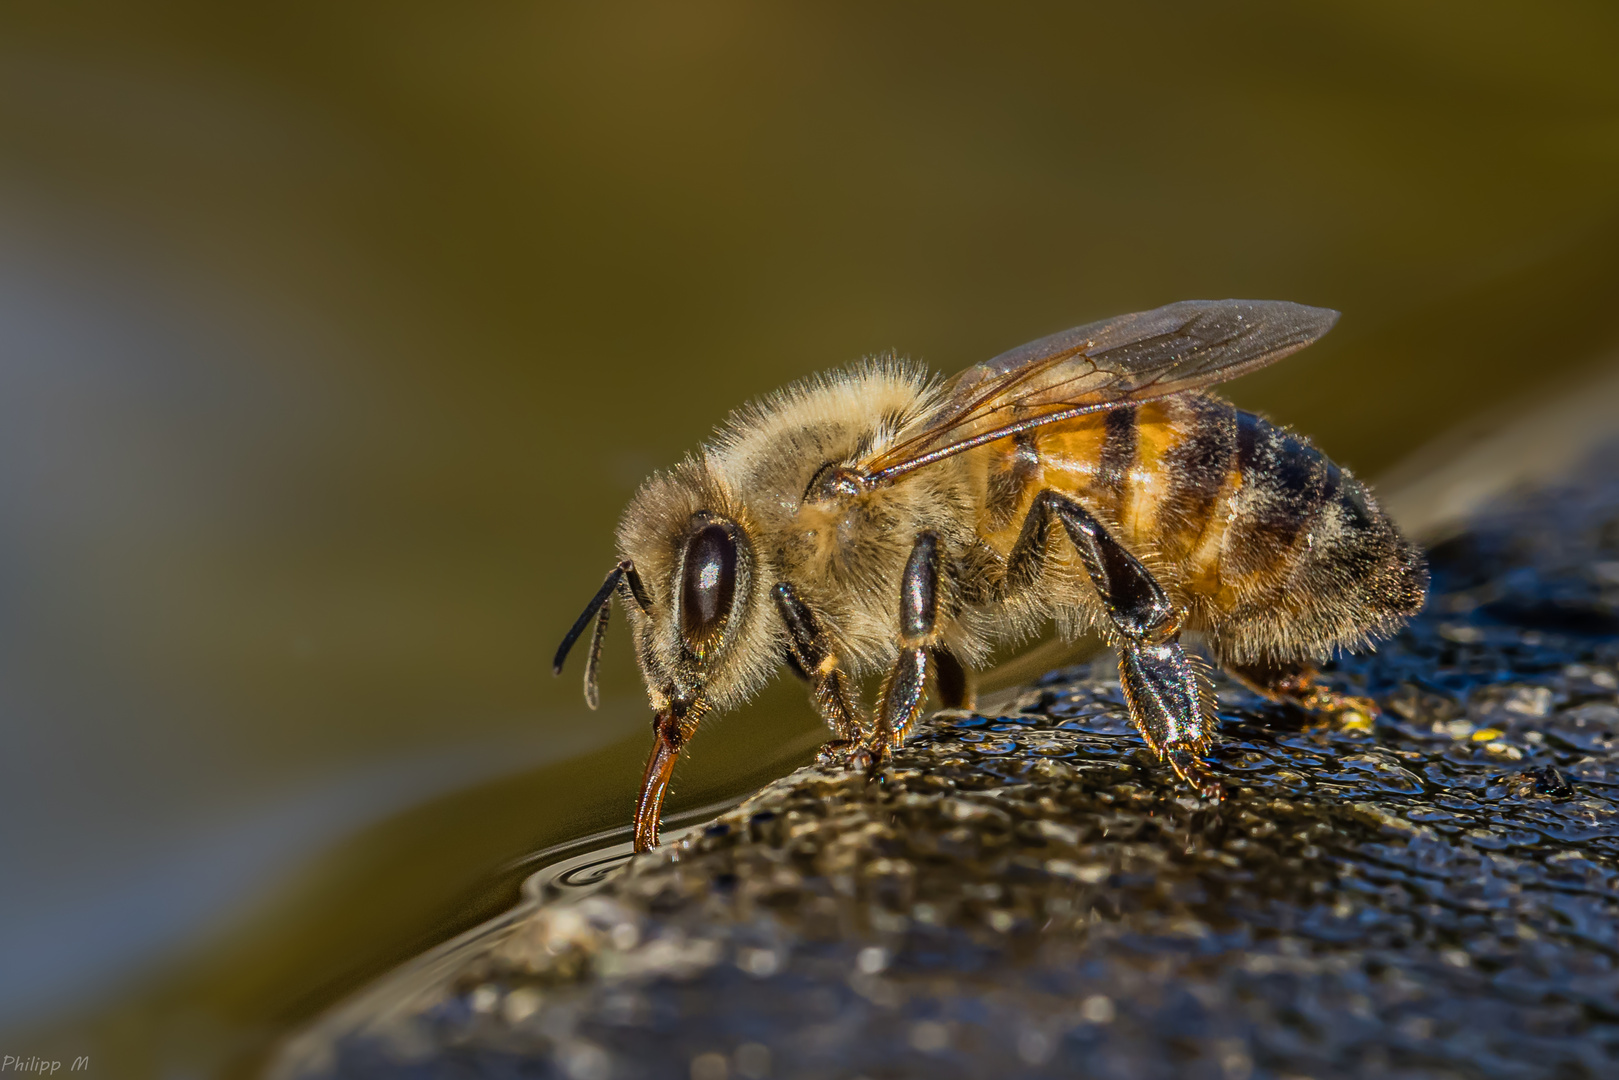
(811, 653)
(905, 688)
(1169, 702)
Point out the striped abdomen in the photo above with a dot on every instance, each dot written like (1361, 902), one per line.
(1277, 553)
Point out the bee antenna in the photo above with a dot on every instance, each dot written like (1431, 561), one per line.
(603, 594)
(592, 697)
(598, 609)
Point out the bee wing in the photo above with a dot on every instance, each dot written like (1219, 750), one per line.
(1150, 354)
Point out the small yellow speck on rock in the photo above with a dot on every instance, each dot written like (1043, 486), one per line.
(1355, 720)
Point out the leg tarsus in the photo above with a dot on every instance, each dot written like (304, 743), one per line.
(835, 753)
(1324, 699)
(1189, 766)
(869, 760)
(1300, 684)
(904, 693)
(854, 755)
(1172, 707)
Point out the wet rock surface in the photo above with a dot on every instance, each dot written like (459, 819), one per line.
(1433, 891)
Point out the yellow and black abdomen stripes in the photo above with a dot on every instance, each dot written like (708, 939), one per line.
(1279, 553)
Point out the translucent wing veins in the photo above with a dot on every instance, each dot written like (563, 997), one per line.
(1149, 354)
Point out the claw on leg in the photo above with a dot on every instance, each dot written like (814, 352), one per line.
(869, 759)
(836, 752)
(856, 755)
(1190, 768)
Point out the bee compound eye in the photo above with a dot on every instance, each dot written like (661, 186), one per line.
(708, 585)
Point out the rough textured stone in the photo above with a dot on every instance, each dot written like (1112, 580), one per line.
(1428, 892)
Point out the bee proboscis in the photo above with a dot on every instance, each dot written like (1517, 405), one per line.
(878, 519)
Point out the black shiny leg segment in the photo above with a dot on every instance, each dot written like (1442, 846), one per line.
(1171, 706)
(903, 695)
(905, 689)
(811, 654)
(1135, 602)
(1169, 701)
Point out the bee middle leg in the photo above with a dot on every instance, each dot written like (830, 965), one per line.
(811, 655)
(1170, 704)
(905, 689)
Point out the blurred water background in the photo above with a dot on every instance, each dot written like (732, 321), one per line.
(333, 338)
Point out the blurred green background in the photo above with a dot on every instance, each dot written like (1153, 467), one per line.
(333, 338)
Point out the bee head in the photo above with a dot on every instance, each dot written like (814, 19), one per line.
(707, 636)
(704, 636)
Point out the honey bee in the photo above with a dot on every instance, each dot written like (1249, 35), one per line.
(879, 519)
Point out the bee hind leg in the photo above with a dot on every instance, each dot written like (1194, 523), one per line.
(1299, 684)
(1170, 701)
(1172, 707)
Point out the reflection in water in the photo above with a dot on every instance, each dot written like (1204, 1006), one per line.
(594, 872)
(60, 941)
(329, 353)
